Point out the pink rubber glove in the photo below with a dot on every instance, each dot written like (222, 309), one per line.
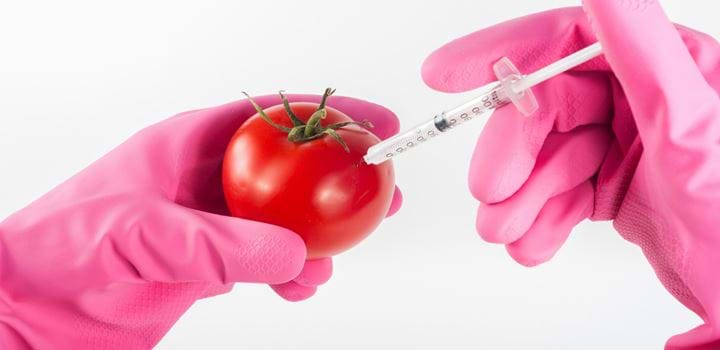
(114, 256)
(632, 137)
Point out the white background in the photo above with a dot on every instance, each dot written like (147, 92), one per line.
(77, 78)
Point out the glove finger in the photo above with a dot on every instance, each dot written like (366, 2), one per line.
(653, 64)
(315, 272)
(171, 243)
(292, 291)
(466, 63)
(553, 226)
(566, 161)
(701, 337)
(396, 202)
(508, 147)
(217, 289)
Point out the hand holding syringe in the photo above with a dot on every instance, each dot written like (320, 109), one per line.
(632, 139)
(511, 87)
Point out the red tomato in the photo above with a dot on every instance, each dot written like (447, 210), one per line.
(316, 188)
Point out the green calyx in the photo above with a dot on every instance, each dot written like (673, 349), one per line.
(313, 129)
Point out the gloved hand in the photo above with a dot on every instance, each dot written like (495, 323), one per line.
(113, 257)
(633, 137)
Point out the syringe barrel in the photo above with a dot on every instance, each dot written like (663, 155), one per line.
(441, 123)
(402, 142)
(476, 107)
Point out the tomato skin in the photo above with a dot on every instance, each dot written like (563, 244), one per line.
(331, 198)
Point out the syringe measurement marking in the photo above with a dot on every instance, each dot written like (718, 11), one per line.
(489, 101)
(445, 121)
(420, 139)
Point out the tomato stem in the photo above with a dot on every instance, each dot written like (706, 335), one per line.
(314, 122)
(264, 116)
(328, 92)
(337, 138)
(313, 129)
(295, 120)
(365, 124)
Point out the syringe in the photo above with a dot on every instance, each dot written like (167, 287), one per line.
(511, 87)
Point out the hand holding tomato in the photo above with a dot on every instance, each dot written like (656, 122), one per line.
(384, 125)
(132, 241)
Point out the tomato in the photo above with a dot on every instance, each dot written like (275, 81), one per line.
(319, 189)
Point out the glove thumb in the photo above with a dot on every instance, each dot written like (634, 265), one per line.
(172, 243)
